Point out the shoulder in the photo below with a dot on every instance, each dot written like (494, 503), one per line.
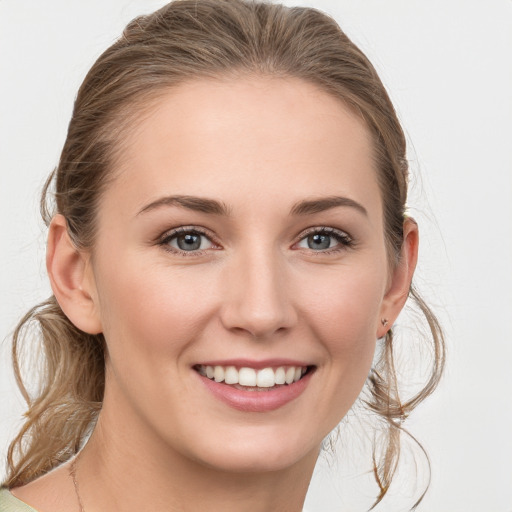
(9, 503)
(52, 492)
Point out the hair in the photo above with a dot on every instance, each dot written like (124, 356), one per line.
(183, 41)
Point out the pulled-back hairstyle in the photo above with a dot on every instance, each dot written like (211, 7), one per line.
(183, 41)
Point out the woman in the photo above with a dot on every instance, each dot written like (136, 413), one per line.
(228, 244)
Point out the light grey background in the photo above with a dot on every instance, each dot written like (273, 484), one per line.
(448, 67)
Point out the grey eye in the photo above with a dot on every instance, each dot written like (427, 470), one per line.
(325, 239)
(318, 241)
(190, 242)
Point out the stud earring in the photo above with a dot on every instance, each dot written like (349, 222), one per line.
(384, 322)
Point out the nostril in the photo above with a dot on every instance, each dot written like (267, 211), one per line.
(258, 322)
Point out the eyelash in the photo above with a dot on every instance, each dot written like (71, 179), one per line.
(345, 241)
(165, 240)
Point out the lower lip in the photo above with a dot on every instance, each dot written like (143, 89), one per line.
(256, 401)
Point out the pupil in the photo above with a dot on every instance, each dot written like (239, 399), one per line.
(189, 242)
(319, 241)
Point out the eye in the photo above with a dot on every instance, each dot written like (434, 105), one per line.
(325, 239)
(187, 240)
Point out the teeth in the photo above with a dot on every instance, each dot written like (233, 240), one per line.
(280, 376)
(266, 378)
(249, 377)
(218, 373)
(231, 375)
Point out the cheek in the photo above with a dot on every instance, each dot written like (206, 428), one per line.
(344, 320)
(344, 311)
(344, 316)
(152, 309)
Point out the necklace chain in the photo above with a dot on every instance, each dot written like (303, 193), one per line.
(72, 472)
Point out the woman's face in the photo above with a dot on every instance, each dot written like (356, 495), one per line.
(241, 239)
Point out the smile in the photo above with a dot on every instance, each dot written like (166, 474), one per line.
(258, 387)
(251, 379)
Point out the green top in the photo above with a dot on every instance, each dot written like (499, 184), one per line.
(9, 503)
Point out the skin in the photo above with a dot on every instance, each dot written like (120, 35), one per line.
(256, 290)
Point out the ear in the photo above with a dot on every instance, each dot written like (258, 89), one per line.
(71, 278)
(401, 278)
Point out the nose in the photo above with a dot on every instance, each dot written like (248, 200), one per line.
(257, 297)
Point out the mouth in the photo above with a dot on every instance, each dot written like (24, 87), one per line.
(246, 378)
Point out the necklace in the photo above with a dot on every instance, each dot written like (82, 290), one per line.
(72, 472)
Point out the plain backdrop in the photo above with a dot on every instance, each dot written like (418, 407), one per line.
(448, 67)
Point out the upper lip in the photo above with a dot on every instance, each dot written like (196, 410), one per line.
(256, 364)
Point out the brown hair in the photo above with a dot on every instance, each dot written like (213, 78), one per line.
(184, 40)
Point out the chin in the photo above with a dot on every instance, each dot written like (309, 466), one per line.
(266, 452)
(256, 462)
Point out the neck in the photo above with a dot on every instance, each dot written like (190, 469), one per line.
(128, 475)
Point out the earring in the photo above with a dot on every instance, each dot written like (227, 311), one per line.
(384, 322)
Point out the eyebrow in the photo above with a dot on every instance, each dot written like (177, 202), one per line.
(213, 207)
(198, 204)
(311, 206)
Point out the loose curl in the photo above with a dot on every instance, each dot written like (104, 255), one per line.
(183, 41)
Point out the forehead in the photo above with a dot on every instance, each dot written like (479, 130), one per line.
(247, 137)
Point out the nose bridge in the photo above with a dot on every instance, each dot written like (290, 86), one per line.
(257, 299)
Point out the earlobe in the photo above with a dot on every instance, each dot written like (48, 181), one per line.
(71, 278)
(401, 278)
